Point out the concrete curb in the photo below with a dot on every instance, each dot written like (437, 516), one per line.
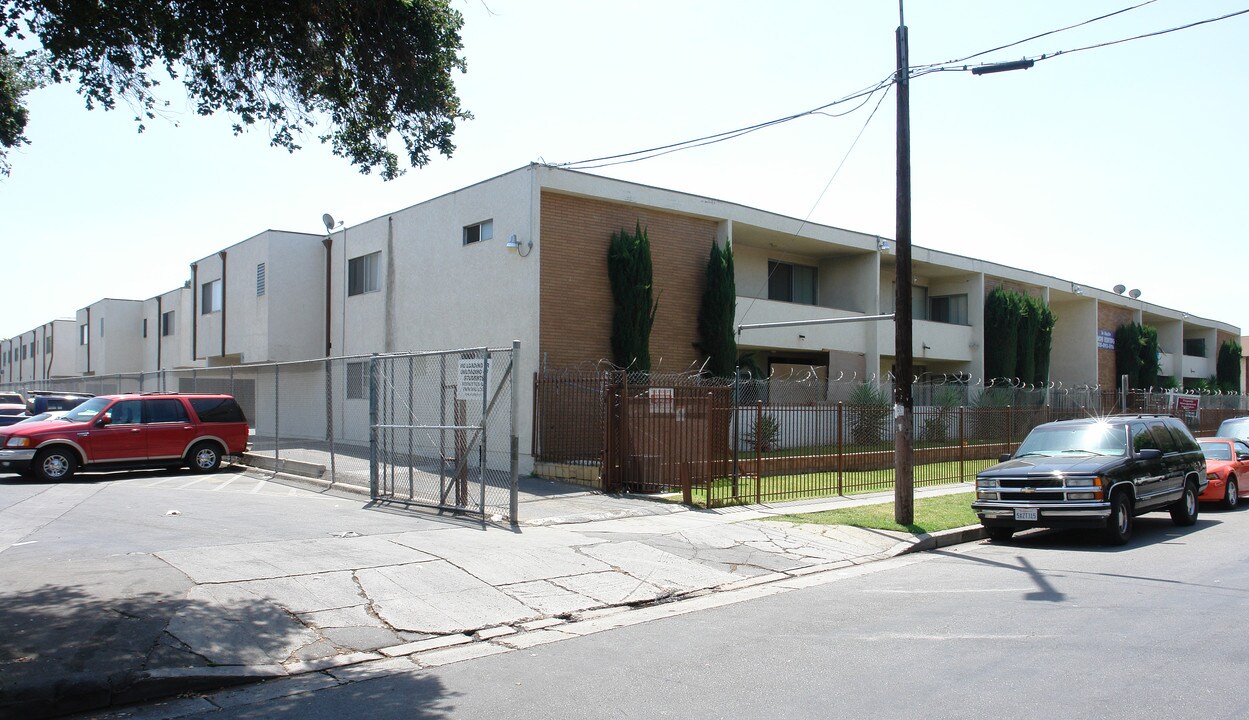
(282, 465)
(943, 538)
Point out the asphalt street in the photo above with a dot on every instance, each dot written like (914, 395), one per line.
(1050, 625)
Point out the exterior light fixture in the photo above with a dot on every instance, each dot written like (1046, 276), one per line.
(515, 245)
(1077, 289)
(882, 244)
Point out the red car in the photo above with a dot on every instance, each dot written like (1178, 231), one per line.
(1227, 462)
(114, 432)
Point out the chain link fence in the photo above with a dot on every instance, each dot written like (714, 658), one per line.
(404, 426)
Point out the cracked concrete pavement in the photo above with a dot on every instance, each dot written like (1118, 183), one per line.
(116, 582)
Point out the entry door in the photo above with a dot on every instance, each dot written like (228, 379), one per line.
(168, 428)
(123, 438)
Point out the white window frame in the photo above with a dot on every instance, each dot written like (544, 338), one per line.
(364, 274)
(210, 297)
(479, 232)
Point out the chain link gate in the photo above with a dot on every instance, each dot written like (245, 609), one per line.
(443, 430)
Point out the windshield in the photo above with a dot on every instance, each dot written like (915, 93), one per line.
(1216, 450)
(1092, 439)
(87, 410)
(10, 399)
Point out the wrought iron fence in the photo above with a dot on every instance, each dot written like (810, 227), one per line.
(722, 442)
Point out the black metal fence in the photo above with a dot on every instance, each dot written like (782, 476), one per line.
(721, 442)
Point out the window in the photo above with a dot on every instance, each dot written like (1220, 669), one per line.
(948, 309)
(24, 346)
(166, 324)
(1195, 347)
(481, 231)
(164, 411)
(84, 334)
(791, 283)
(101, 327)
(355, 380)
(260, 279)
(47, 346)
(218, 410)
(144, 327)
(364, 274)
(210, 297)
(126, 412)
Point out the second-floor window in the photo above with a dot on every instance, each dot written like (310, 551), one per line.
(166, 324)
(260, 279)
(948, 309)
(1195, 347)
(210, 297)
(364, 274)
(84, 334)
(481, 231)
(788, 282)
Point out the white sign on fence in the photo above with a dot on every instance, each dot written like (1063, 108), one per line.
(474, 374)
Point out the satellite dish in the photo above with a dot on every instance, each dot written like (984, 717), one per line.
(328, 219)
(1120, 288)
(1134, 293)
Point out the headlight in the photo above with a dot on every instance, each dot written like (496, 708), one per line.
(18, 442)
(1084, 482)
(986, 496)
(1083, 496)
(981, 484)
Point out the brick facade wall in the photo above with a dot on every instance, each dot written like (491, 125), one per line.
(1109, 317)
(576, 302)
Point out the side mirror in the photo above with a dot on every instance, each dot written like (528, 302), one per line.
(1242, 456)
(104, 420)
(1149, 454)
(1004, 457)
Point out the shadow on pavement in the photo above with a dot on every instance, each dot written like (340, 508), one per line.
(63, 650)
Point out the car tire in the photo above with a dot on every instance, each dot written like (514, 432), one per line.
(1184, 510)
(205, 457)
(999, 534)
(55, 465)
(1119, 524)
(1231, 499)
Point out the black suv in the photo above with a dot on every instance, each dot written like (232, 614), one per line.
(1093, 473)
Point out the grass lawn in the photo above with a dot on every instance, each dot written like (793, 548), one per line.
(942, 512)
(811, 485)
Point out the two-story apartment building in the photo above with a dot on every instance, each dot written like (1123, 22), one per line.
(40, 354)
(523, 256)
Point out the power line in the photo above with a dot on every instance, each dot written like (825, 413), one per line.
(638, 155)
(1034, 37)
(956, 66)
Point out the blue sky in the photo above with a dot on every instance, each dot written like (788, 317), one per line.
(1123, 164)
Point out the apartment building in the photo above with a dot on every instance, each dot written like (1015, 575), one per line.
(523, 256)
(40, 354)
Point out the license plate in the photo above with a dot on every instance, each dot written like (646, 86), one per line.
(1026, 514)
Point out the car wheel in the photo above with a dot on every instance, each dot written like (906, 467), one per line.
(1119, 524)
(1184, 510)
(1000, 534)
(55, 465)
(1232, 497)
(205, 457)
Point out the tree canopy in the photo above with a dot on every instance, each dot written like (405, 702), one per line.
(361, 70)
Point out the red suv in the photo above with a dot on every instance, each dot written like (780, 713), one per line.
(113, 432)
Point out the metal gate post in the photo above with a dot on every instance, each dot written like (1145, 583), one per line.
(329, 415)
(514, 465)
(277, 409)
(485, 409)
(411, 422)
(373, 427)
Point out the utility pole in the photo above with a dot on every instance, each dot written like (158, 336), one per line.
(903, 406)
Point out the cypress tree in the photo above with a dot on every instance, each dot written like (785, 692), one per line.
(629, 269)
(1044, 343)
(1227, 366)
(1149, 356)
(1001, 336)
(715, 315)
(1029, 324)
(1128, 353)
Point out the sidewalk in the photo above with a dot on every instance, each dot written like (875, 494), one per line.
(133, 588)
